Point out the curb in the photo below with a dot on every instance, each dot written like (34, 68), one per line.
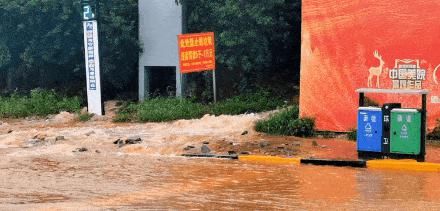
(269, 159)
(337, 163)
(406, 165)
(410, 165)
(232, 157)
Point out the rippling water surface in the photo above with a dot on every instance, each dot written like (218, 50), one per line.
(133, 182)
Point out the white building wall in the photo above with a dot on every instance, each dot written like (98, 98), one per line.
(160, 21)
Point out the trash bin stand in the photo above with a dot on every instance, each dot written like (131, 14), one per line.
(420, 157)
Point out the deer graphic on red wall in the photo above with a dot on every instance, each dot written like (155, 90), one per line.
(376, 71)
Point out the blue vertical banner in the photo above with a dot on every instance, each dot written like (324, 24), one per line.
(91, 47)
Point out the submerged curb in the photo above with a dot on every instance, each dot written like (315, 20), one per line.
(269, 159)
(338, 163)
(410, 165)
(406, 165)
(232, 157)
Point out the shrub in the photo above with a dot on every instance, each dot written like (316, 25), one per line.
(169, 109)
(352, 135)
(127, 113)
(14, 106)
(160, 110)
(38, 103)
(248, 103)
(435, 133)
(85, 117)
(287, 123)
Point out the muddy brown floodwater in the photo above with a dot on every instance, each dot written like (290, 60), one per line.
(52, 175)
(157, 182)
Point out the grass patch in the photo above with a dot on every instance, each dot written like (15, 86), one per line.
(127, 113)
(85, 117)
(39, 103)
(248, 103)
(169, 109)
(160, 110)
(287, 123)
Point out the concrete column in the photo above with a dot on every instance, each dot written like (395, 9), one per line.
(141, 82)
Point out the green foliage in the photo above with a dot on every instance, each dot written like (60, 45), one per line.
(39, 103)
(168, 109)
(126, 113)
(287, 123)
(41, 45)
(435, 133)
(85, 117)
(256, 43)
(160, 110)
(352, 135)
(247, 103)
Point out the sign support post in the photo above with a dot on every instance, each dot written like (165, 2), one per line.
(91, 47)
(197, 54)
(214, 84)
(182, 90)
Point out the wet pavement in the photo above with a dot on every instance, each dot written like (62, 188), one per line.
(91, 182)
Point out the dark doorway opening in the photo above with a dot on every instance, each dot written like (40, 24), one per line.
(160, 81)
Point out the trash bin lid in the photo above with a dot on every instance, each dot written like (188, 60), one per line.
(370, 109)
(405, 110)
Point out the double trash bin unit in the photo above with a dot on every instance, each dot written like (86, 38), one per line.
(391, 131)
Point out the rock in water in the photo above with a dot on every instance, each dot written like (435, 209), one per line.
(90, 133)
(205, 149)
(188, 148)
(119, 142)
(40, 137)
(59, 138)
(133, 140)
(281, 147)
(34, 142)
(82, 149)
(264, 144)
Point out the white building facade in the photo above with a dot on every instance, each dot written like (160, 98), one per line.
(160, 21)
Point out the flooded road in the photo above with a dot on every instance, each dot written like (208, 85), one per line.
(91, 182)
(47, 174)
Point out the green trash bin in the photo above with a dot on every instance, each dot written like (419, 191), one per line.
(406, 127)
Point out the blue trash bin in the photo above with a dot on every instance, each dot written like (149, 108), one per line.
(369, 131)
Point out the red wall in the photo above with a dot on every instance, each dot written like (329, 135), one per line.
(338, 41)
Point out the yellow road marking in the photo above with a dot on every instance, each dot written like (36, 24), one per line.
(270, 159)
(410, 165)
